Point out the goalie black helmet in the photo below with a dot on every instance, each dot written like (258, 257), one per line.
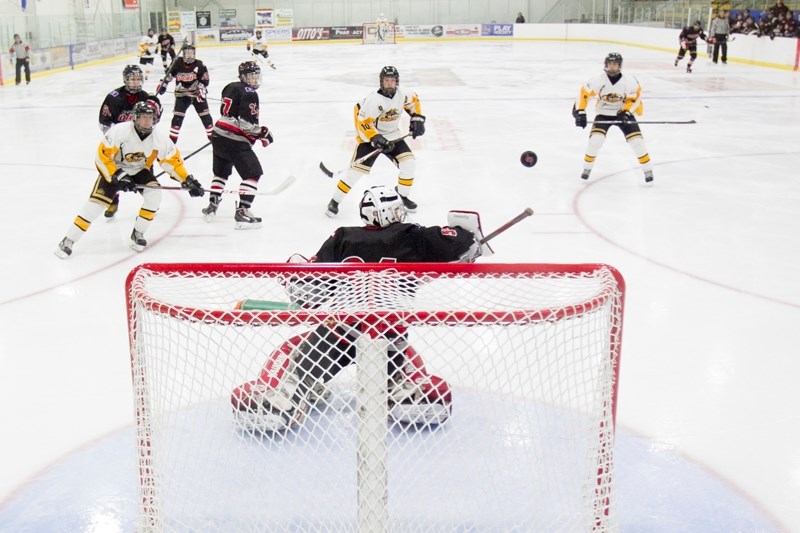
(613, 57)
(250, 74)
(389, 72)
(145, 117)
(381, 206)
(132, 77)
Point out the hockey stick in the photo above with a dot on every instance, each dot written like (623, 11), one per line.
(277, 190)
(516, 220)
(187, 157)
(642, 122)
(360, 160)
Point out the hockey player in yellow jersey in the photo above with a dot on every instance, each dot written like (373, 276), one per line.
(124, 161)
(619, 100)
(377, 122)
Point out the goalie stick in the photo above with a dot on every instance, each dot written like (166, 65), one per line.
(516, 220)
(277, 190)
(330, 174)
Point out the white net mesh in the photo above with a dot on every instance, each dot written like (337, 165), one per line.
(490, 406)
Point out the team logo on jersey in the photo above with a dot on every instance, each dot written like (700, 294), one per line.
(390, 115)
(135, 157)
(612, 98)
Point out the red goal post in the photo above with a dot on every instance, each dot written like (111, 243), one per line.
(379, 33)
(530, 352)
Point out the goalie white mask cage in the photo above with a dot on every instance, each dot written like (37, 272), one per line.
(521, 438)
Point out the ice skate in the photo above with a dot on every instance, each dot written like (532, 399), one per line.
(648, 177)
(419, 399)
(585, 174)
(333, 208)
(111, 210)
(261, 408)
(244, 219)
(210, 211)
(137, 241)
(64, 248)
(411, 205)
(676, 62)
(688, 69)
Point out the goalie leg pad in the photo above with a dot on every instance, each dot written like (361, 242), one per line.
(417, 397)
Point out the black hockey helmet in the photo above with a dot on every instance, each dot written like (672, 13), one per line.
(613, 57)
(697, 23)
(128, 74)
(144, 109)
(389, 72)
(189, 58)
(258, 33)
(250, 74)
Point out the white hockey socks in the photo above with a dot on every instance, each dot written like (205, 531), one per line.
(596, 141)
(636, 143)
(86, 216)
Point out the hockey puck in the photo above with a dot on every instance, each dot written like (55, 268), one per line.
(528, 159)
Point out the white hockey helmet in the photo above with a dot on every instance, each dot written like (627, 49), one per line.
(381, 206)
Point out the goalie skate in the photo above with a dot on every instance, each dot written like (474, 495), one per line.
(416, 397)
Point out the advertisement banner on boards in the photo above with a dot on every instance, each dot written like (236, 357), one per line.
(277, 34)
(497, 30)
(462, 30)
(422, 31)
(265, 18)
(345, 32)
(310, 33)
(173, 21)
(284, 18)
(188, 21)
(227, 35)
(207, 36)
(227, 17)
(203, 19)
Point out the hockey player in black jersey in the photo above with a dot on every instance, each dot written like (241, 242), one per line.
(688, 39)
(118, 107)
(232, 140)
(283, 394)
(166, 44)
(191, 87)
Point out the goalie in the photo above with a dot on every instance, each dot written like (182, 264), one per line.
(293, 378)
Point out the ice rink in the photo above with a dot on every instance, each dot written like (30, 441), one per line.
(707, 422)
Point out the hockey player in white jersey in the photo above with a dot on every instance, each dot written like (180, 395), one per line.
(259, 48)
(148, 47)
(124, 160)
(377, 122)
(619, 99)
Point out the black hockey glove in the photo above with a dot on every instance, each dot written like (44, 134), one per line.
(417, 126)
(193, 186)
(123, 182)
(380, 142)
(580, 118)
(161, 88)
(265, 136)
(625, 116)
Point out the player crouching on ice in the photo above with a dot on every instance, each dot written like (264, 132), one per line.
(124, 160)
(294, 377)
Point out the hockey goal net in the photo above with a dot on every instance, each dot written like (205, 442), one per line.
(379, 33)
(521, 438)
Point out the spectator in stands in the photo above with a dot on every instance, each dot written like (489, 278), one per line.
(22, 52)
(749, 27)
(720, 30)
(766, 25)
(520, 18)
(789, 28)
(778, 9)
(736, 23)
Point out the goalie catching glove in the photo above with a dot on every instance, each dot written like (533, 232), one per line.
(417, 126)
(193, 186)
(470, 221)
